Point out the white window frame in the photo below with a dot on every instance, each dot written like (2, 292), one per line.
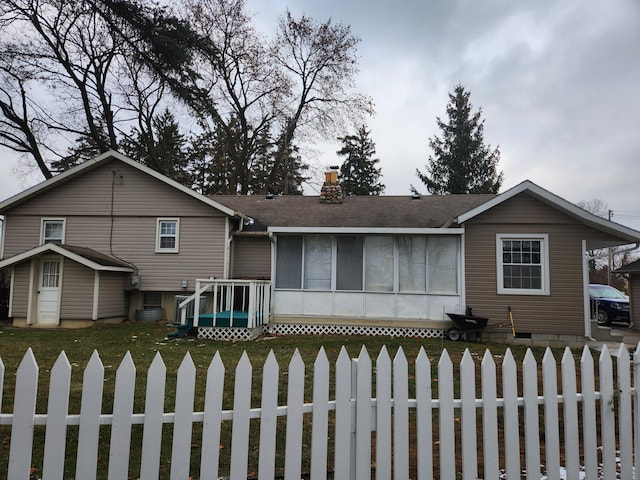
(46, 220)
(543, 238)
(159, 223)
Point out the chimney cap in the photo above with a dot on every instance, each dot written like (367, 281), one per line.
(269, 196)
(334, 167)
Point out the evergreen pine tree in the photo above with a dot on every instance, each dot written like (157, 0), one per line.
(162, 148)
(358, 173)
(461, 162)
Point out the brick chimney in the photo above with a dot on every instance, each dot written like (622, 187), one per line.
(331, 191)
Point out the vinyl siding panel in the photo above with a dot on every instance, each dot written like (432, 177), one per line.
(252, 257)
(134, 193)
(111, 301)
(21, 289)
(560, 312)
(202, 248)
(634, 298)
(77, 291)
(21, 233)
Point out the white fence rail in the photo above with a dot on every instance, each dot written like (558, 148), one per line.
(491, 424)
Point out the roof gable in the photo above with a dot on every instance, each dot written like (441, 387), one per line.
(89, 165)
(558, 203)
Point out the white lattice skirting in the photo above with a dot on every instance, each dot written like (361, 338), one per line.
(304, 329)
(238, 334)
(231, 334)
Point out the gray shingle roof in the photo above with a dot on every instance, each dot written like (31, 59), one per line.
(428, 211)
(629, 268)
(95, 256)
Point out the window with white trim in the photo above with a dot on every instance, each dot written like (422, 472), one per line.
(53, 230)
(523, 264)
(167, 235)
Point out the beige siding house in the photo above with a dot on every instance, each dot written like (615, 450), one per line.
(112, 240)
(107, 239)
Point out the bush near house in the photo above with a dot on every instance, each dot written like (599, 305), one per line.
(4, 295)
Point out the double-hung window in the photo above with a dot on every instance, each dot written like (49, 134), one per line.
(53, 230)
(167, 235)
(523, 264)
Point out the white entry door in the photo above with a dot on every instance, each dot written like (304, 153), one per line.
(49, 291)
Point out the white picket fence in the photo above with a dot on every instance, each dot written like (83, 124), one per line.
(429, 436)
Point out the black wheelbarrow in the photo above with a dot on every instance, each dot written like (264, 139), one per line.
(465, 326)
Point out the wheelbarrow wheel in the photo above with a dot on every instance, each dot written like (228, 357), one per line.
(454, 334)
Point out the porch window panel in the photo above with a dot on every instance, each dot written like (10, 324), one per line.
(289, 262)
(317, 262)
(442, 270)
(412, 263)
(378, 264)
(349, 263)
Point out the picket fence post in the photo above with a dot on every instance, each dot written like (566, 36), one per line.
(400, 417)
(607, 414)
(295, 403)
(57, 410)
(241, 408)
(447, 417)
(570, 411)
(320, 421)
(490, 416)
(511, 416)
(589, 429)
(344, 430)
(424, 416)
(24, 409)
(268, 418)
(625, 420)
(153, 413)
(90, 410)
(212, 421)
(550, 405)
(468, 417)
(635, 432)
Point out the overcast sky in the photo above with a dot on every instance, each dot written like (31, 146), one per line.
(558, 84)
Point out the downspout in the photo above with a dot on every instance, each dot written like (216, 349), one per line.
(585, 293)
(227, 249)
(272, 240)
(1, 236)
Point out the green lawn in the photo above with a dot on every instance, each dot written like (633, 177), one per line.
(144, 340)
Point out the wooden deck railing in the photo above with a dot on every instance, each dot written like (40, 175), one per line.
(245, 303)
